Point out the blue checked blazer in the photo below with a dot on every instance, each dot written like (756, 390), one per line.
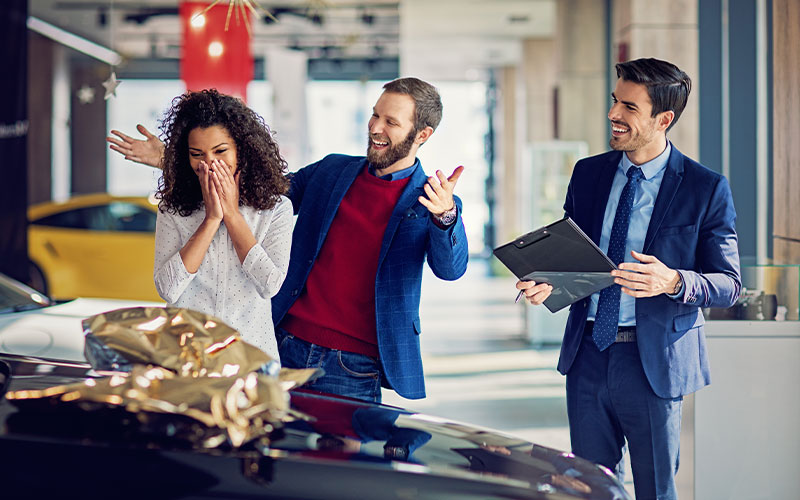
(691, 230)
(410, 237)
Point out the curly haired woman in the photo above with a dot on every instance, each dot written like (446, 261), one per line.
(224, 227)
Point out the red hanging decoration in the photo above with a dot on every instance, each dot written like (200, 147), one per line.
(213, 56)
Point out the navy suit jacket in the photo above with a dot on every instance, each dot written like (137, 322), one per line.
(691, 230)
(411, 236)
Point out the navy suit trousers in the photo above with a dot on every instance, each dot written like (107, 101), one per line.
(609, 402)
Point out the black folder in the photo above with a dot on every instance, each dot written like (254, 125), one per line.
(562, 255)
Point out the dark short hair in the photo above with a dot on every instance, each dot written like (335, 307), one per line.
(261, 167)
(667, 86)
(427, 102)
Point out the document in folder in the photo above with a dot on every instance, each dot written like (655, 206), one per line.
(562, 255)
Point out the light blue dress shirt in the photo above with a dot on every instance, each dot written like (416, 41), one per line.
(642, 210)
(396, 176)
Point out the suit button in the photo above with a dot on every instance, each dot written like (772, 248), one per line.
(295, 293)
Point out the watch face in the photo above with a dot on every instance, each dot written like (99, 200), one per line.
(448, 217)
(396, 452)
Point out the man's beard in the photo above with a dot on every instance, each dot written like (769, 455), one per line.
(392, 154)
(633, 142)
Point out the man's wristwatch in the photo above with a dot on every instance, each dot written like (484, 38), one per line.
(678, 285)
(447, 218)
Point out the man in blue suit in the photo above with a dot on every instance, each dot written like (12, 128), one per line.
(632, 351)
(365, 226)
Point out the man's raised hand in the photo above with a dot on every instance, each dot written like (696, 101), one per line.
(147, 151)
(439, 192)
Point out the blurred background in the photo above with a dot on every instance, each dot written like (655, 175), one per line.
(526, 87)
(525, 84)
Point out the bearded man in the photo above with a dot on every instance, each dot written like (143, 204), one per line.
(365, 225)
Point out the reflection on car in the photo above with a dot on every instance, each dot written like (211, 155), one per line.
(31, 323)
(95, 245)
(62, 450)
(342, 449)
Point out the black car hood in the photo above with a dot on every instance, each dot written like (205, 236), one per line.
(351, 449)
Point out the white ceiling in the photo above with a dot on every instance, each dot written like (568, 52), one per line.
(342, 26)
(441, 39)
(457, 39)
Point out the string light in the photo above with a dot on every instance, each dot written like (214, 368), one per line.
(240, 8)
(215, 49)
(198, 21)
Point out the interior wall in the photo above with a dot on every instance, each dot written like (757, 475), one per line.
(88, 126)
(40, 111)
(786, 130)
(669, 31)
(13, 139)
(509, 147)
(583, 99)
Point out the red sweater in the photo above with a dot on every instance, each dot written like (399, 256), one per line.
(337, 307)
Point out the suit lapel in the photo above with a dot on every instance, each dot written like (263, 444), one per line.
(673, 175)
(603, 183)
(403, 208)
(346, 177)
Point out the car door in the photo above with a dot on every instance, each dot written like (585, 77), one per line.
(61, 244)
(99, 251)
(124, 237)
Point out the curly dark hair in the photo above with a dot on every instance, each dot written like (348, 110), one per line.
(261, 181)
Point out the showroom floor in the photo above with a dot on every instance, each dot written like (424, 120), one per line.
(479, 366)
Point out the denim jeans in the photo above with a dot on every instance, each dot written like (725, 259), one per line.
(346, 373)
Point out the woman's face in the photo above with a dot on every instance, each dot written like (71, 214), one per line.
(209, 144)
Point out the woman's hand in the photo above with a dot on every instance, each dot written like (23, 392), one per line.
(226, 185)
(211, 199)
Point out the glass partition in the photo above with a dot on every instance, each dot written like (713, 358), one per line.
(769, 293)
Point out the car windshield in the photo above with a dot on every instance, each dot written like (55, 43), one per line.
(15, 297)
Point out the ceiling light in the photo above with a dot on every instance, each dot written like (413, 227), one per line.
(74, 42)
(198, 21)
(215, 49)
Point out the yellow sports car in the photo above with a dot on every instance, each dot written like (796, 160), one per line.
(94, 245)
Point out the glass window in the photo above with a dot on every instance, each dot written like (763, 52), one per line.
(145, 101)
(137, 101)
(131, 217)
(71, 219)
(97, 218)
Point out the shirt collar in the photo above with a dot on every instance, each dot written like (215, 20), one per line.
(396, 176)
(650, 168)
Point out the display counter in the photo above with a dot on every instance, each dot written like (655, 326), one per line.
(743, 431)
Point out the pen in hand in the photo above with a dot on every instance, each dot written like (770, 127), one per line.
(519, 296)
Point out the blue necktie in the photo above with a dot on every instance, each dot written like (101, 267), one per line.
(605, 322)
